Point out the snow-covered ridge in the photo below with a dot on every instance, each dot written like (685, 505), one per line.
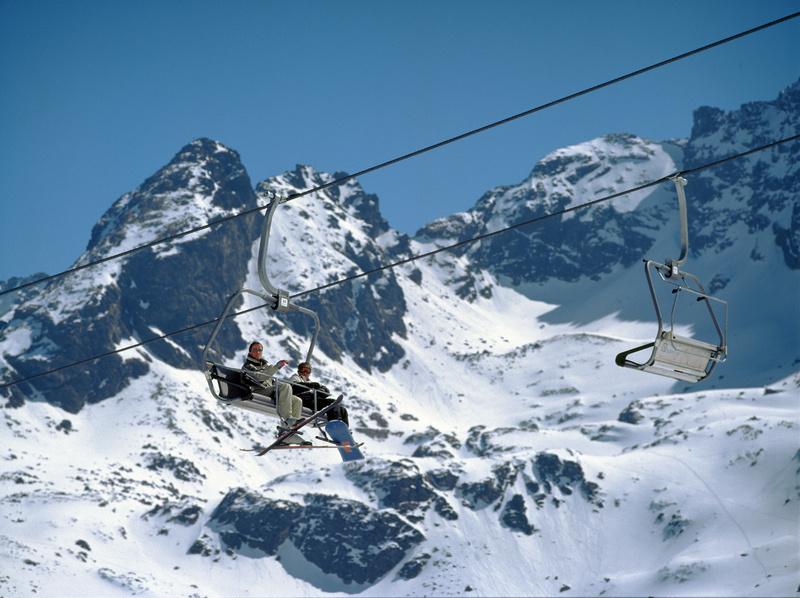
(180, 197)
(597, 168)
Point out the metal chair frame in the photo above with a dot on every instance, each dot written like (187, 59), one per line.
(227, 384)
(672, 355)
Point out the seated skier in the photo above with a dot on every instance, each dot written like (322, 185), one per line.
(305, 389)
(290, 408)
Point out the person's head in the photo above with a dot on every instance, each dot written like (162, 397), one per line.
(304, 368)
(255, 350)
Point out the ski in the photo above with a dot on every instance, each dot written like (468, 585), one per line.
(299, 425)
(299, 446)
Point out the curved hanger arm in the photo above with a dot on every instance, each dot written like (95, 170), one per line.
(279, 298)
(674, 265)
(262, 256)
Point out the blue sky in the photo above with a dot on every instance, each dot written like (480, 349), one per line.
(96, 96)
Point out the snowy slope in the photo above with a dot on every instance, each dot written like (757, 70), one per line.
(696, 498)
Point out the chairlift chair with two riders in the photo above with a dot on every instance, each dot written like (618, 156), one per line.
(670, 354)
(228, 384)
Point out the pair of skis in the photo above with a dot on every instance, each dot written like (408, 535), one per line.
(278, 443)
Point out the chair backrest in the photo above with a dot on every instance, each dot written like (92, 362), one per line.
(229, 382)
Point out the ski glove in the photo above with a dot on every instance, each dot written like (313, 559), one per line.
(283, 363)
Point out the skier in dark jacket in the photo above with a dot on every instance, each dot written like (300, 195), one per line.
(304, 388)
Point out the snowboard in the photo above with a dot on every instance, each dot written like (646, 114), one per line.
(340, 433)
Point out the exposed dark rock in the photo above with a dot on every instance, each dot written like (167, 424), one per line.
(83, 544)
(183, 469)
(479, 441)
(188, 516)
(422, 437)
(443, 508)
(203, 546)
(442, 479)
(479, 495)
(343, 538)
(149, 285)
(567, 476)
(673, 526)
(215, 424)
(631, 413)
(397, 484)
(514, 516)
(413, 567)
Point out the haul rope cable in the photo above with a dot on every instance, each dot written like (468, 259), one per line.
(411, 259)
(541, 218)
(407, 156)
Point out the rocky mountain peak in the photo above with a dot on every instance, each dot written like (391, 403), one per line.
(101, 308)
(203, 181)
(717, 134)
(349, 194)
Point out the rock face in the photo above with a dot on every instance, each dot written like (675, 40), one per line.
(98, 309)
(186, 280)
(341, 538)
(773, 212)
(586, 244)
(361, 317)
(359, 544)
(589, 243)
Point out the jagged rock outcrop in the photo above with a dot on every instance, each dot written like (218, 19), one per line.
(342, 538)
(361, 317)
(589, 243)
(167, 287)
(185, 281)
(773, 213)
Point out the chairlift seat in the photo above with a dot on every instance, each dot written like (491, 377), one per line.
(229, 382)
(231, 390)
(676, 357)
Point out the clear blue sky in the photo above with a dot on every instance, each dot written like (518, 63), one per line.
(96, 96)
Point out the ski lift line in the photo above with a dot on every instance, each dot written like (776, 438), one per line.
(128, 348)
(132, 251)
(408, 156)
(544, 106)
(412, 258)
(545, 217)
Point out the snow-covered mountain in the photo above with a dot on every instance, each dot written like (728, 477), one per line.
(506, 453)
(744, 230)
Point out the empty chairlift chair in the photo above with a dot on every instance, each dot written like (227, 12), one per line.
(670, 354)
